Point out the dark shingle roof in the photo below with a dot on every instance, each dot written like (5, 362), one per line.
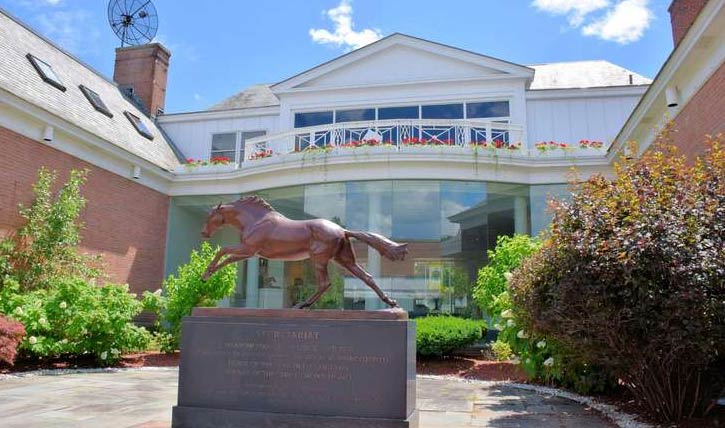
(18, 77)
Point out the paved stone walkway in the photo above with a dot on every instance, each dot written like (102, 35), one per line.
(143, 398)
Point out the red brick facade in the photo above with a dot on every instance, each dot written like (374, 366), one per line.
(125, 222)
(703, 115)
(682, 14)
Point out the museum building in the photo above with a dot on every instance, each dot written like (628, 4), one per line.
(425, 143)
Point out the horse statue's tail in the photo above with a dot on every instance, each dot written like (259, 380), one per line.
(386, 247)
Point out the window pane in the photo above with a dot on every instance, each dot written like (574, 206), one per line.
(246, 136)
(313, 119)
(443, 111)
(355, 115)
(222, 142)
(487, 109)
(409, 112)
(416, 210)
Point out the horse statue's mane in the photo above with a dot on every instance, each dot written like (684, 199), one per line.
(256, 200)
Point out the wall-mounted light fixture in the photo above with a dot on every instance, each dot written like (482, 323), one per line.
(672, 95)
(136, 172)
(48, 134)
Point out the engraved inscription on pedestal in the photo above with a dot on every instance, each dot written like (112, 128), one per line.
(355, 368)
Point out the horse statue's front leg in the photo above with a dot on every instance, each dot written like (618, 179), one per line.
(213, 265)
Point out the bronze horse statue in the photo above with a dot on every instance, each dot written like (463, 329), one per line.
(266, 233)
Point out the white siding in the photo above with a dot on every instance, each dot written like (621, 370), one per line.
(193, 138)
(572, 119)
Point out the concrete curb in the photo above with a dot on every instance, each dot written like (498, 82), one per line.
(61, 372)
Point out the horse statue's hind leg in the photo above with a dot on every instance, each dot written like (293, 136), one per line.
(346, 258)
(323, 283)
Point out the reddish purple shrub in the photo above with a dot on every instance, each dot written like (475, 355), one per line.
(11, 333)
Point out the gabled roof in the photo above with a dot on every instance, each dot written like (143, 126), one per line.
(254, 96)
(19, 78)
(505, 68)
(584, 74)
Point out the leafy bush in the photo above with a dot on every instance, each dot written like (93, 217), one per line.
(11, 333)
(502, 350)
(49, 286)
(633, 276)
(441, 335)
(490, 291)
(185, 291)
(75, 317)
(45, 247)
(542, 358)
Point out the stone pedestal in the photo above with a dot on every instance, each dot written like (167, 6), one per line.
(296, 369)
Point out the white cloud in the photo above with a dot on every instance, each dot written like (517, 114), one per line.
(198, 97)
(343, 34)
(624, 24)
(72, 29)
(576, 10)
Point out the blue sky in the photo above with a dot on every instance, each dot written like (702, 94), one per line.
(219, 47)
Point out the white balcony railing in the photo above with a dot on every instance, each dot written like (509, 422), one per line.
(402, 135)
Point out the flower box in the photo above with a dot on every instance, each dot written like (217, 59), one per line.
(206, 169)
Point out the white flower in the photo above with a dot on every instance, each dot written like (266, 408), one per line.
(63, 305)
(43, 321)
(157, 292)
(18, 311)
(115, 351)
(33, 340)
(104, 355)
(508, 276)
(64, 341)
(498, 327)
(510, 323)
(541, 344)
(549, 362)
(507, 314)
(522, 335)
(516, 360)
(528, 361)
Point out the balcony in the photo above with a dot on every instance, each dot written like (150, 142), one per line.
(409, 136)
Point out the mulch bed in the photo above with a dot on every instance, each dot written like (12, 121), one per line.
(143, 359)
(472, 368)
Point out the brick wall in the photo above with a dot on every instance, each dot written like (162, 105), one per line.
(125, 222)
(701, 116)
(682, 14)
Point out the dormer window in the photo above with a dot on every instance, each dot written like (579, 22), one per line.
(140, 127)
(46, 72)
(96, 100)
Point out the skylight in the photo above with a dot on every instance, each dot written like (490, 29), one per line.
(140, 127)
(46, 72)
(96, 101)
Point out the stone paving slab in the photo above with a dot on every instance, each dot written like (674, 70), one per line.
(143, 399)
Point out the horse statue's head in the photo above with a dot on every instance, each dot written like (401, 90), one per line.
(214, 221)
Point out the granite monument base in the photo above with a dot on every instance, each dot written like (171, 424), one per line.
(296, 369)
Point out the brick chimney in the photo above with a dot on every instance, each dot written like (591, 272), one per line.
(144, 69)
(682, 14)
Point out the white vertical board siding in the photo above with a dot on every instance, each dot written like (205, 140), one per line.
(572, 119)
(193, 138)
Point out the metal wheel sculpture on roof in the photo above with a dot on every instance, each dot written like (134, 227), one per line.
(134, 21)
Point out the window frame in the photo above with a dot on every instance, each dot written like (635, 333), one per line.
(103, 108)
(135, 121)
(238, 157)
(35, 62)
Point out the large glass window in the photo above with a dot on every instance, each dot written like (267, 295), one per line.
(407, 112)
(487, 109)
(448, 225)
(313, 119)
(356, 115)
(224, 145)
(246, 136)
(442, 111)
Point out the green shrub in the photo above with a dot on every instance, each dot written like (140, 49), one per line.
(185, 291)
(490, 291)
(633, 279)
(441, 335)
(75, 317)
(502, 350)
(542, 358)
(45, 247)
